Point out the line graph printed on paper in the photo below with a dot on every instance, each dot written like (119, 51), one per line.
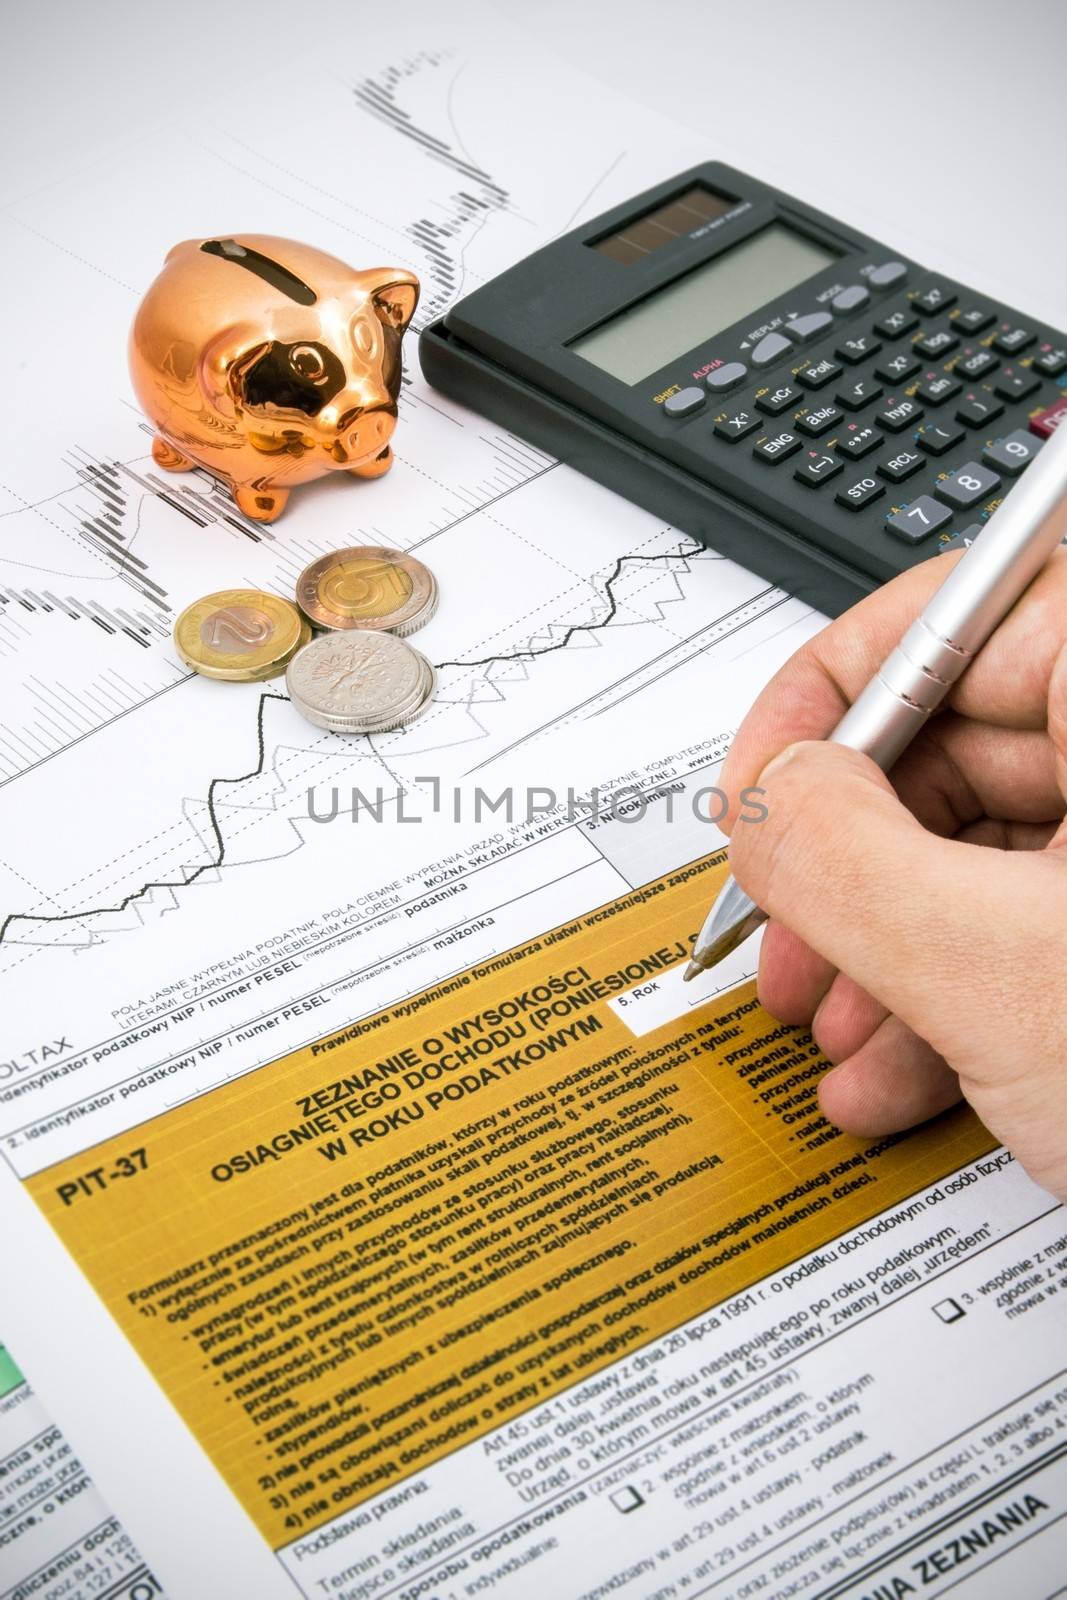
(127, 788)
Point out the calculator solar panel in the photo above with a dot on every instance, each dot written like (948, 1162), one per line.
(799, 396)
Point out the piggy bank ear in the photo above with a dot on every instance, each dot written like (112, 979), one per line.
(222, 361)
(395, 299)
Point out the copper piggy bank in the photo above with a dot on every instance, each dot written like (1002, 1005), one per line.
(270, 363)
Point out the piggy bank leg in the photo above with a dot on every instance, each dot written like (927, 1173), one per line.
(261, 505)
(375, 468)
(164, 455)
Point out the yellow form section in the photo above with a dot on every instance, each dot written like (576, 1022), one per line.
(344, 1265)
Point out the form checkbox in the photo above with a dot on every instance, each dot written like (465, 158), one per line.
(949, 1310)
(627, 1499)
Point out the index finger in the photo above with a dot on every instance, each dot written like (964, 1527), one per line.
(1007, 684)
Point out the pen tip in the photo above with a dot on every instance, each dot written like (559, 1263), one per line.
(693, 970)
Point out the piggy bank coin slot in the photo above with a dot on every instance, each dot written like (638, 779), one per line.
(264, 267)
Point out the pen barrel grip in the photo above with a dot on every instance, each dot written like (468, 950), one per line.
(1007, 555)
(880, 723)
(976, 596)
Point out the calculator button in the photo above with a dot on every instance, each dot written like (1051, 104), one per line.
(898, 368)
(938, 342)
(935, 297)
(728, 376)
(896, 323)
(1012, 453)
(1046, 422)
(962, 540)
(1014, 384)
(857, 442)
(857, 348)
(918, 520)
(776, 446)
(859, 394)
(818, 374)
(978, 409)
(937, 388)
(770, 348)
(888, 275)
(778, 400)
(935, 438)
(736, 424)
(850, 299)
(817, 469)
(1011, 340)
(974, 319)
(684, 403)
(1051, 362)
(860, 493)
(967, 485)
(896, 415)
(817, 421)
(902, 465)
(801, 329)
(974, 364)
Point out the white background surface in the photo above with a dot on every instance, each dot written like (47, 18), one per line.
(934, 124)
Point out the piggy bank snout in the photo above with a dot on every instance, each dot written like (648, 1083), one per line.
(352, 432)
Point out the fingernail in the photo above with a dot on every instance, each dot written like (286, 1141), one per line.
(780, 760)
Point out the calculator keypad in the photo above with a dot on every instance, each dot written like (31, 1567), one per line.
(898, 410)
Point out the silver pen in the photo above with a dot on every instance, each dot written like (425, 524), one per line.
(977, 594)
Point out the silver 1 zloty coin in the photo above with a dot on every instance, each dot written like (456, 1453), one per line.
(360, 682)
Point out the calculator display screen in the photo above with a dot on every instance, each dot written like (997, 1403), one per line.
(694, 308)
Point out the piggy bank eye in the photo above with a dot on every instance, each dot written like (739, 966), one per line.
(364, 338)
(296, 377)
(308, 361)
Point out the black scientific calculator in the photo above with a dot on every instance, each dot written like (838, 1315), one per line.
(800, 397)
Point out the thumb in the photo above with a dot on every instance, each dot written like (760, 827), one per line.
(925, 924)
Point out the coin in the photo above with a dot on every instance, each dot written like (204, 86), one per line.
(360, 682)
(368, 586)
(240, 635)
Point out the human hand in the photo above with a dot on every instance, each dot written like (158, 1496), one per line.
(919, 922)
